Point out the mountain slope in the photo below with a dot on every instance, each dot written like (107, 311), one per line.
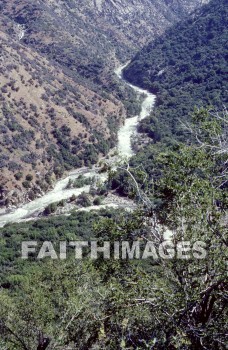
(47, 122)
(93, 25)
(61, 102)
(87, 38)
(186, 67)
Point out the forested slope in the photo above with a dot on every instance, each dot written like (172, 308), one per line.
(160, 302)
(58, 82)
(185, 67)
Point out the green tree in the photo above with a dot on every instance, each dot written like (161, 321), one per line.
(50, 209)
(160, 304)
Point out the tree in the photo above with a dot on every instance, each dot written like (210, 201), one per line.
(29, 177)
(50, 209)
(97, 201)
(83, 200)
(160, 304)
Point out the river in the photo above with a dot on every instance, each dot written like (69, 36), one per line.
(59, 192)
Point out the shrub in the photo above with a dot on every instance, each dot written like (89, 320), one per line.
(97, 201)
(50, 209)
(26, 184)
(83, 200)
(18, 175)
(29, 177)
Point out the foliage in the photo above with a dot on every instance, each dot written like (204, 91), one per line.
(185, 67)
(81, 181)
(130, 304)
(97, 201)
(50, 209)
(83, 200)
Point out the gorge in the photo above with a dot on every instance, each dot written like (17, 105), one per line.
(60, 192)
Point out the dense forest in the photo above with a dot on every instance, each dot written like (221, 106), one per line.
(186, 67)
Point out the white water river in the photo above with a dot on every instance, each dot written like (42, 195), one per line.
(126, 132)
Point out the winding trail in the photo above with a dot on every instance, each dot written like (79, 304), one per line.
(125, 133)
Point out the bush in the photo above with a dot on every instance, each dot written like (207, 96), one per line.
(29, 177)
(50, 209)
(26, 184)
(18, 176)
(83, 200)
(97, 201)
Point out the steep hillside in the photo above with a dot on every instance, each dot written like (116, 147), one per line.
(61, 102)
(87, 37)
(186, 67)
(48, 122)
(93, 28)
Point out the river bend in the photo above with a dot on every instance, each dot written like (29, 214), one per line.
(59, 192)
